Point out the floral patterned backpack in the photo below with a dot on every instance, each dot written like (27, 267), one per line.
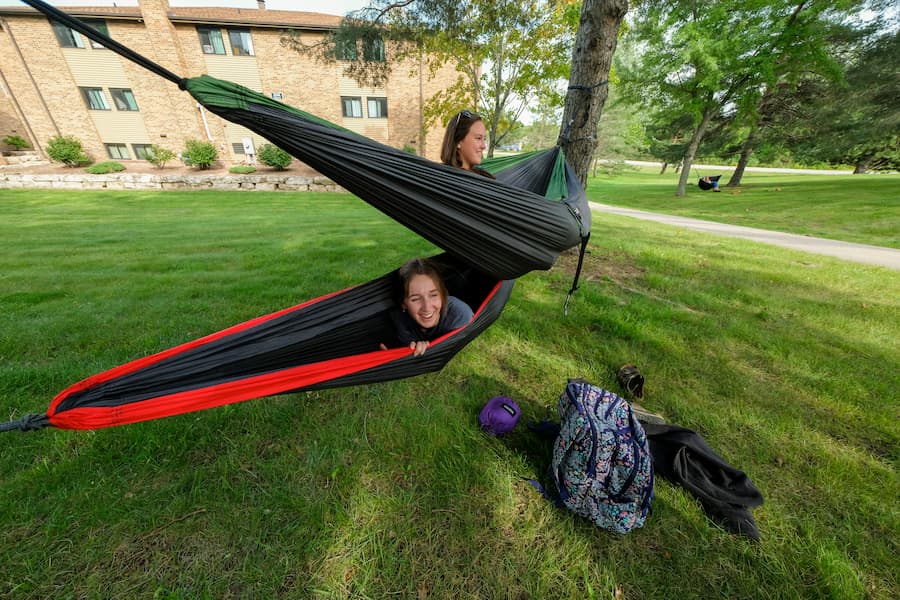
(602, 465)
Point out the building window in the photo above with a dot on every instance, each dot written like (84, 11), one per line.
(345, 49)
(67, 38)
(352, 106)
(211, 40)
(241, 43)
(373, 50)
(377, 107)
(123, 99)
(141, 151)
(94, 98)
(118, 151)
(100, 26)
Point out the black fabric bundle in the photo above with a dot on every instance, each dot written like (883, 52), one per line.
(683, 457)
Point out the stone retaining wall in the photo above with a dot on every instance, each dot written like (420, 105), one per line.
(145, 181)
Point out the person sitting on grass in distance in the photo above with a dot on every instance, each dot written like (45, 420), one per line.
(425, 310)
(464, 144)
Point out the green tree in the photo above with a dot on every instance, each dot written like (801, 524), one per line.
(507, 52)
(592, 57)
(857, 123)
(714, 61)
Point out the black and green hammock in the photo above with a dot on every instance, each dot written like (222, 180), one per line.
(491, 232)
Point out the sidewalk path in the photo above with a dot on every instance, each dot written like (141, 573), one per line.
(871, 255)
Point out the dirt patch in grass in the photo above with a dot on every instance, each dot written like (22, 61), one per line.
(615, 266)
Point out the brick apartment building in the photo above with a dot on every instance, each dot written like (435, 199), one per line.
(55, 81)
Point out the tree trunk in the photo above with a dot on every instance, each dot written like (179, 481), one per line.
(692, 148)
(746, 151)
(595, 43)
(663, 170)
(861, 167)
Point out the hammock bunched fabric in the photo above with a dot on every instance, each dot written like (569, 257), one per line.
(492, 231)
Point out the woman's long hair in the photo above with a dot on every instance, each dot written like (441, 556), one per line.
(457, 129)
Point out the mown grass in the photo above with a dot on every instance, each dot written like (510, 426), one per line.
(786, 363)
(854, 208)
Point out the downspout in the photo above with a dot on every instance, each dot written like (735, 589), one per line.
(205, 122)
(21, 114)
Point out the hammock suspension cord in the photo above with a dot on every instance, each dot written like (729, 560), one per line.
(581, 253)
(105, 40)
(564, 137)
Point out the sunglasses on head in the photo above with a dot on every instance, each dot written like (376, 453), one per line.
(468, 114)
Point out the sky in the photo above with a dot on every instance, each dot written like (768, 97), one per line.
(331, 7)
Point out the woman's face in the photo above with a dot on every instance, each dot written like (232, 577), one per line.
(472, 146)
(423, 301)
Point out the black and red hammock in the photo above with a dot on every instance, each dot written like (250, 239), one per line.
(492, 231)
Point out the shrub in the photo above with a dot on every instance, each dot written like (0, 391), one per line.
(409, 149)
(273, 156)
(199, 154)
(16, 141)
(103, 168)
(242, 169)
(67, 150)
(159, 156)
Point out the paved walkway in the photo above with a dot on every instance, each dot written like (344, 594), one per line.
(871, 255)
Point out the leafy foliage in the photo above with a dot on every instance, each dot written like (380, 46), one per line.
(273, 156)
(159, 156)
(199, 154)
(857, 123)
(102, 168)
(492, 44)
(68, 150)
(716, 65)
(17, 142)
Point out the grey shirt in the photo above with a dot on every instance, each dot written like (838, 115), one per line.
(457, 314)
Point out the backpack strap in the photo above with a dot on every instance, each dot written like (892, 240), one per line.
(549, 496)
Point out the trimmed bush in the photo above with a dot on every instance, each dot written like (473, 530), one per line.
(242, 169)
(17, 142)
(103, 168)
(159, 156)
(199, 154)
(67, 149)
(273, 156)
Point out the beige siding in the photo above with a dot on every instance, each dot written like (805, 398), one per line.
(96, 67)
(120, 127)
(375, 128)
(44, 79)
(239, 69)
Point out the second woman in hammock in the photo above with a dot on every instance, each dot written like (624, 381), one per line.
(425, 310)
(464, 142)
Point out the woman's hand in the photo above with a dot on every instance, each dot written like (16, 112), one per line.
(418, 348)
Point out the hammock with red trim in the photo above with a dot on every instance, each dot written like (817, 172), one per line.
(492, 231)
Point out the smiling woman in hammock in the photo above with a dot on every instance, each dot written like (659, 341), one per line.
(425, 310)
(491, 231)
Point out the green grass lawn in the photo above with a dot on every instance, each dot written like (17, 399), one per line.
(786, 363)
(854, 208)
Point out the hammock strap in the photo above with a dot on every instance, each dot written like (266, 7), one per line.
(109, 43)
(29, 422)
(581, 252)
